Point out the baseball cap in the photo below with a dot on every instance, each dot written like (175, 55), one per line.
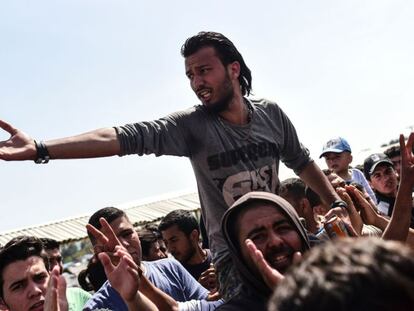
(336, 145)
(372, 162)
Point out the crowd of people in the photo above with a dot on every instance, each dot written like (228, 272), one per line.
(338, 238)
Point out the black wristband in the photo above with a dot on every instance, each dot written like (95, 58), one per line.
(42, 156)
(339, 203)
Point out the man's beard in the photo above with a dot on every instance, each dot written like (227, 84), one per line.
(190, 253)
(226, 93)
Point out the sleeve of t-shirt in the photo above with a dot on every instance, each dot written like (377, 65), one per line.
(165, 136)
(106, 298)
(293, 154)
(199, 305)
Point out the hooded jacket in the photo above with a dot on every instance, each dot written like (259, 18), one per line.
(255, 293)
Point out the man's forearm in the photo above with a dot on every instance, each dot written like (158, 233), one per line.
(316, 179)
(98, 143)
(141, 303)
(399, 224)
(158, 297)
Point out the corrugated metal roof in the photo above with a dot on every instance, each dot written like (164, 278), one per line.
(139, 214)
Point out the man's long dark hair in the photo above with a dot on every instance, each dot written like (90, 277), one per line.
(225, 50)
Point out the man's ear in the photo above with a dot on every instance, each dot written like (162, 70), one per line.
(195, 235)
(233, 70)
(305, 205)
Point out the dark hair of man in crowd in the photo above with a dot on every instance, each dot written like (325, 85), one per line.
(109, 214)
(393, 151)
(20, 248)
(225, 50)
(49, 244)
(147, 237)
(184, 220)
(350, 274)
(93, 277)
(293, 188)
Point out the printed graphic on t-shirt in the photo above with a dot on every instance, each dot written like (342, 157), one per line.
(249, 153)
(262, 179)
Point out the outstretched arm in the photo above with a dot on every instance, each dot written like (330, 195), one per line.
(98, 143)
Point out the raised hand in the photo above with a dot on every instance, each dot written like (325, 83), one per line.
(271, 276)
(18, 147)
(208, 278)
(124, 277)
(106, 240)
(55, 299)
(355, 219)
(407, 160)
(364, 205)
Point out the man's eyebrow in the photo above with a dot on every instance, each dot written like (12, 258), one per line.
(40, 275)
(18, 282)
(261, 228)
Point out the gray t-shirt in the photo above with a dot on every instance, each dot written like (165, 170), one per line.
(228, 160)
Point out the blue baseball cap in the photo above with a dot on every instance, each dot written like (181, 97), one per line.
(336, 145)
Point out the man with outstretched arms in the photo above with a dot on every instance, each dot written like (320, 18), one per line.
(234, 143)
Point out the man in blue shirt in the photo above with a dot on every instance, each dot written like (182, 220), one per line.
(166, 274)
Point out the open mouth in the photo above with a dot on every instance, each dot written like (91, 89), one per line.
(280, 261)
(37, 306)
(204, 94)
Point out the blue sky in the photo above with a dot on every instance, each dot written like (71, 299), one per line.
(335, 67)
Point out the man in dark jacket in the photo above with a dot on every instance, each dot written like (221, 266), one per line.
(261, 229)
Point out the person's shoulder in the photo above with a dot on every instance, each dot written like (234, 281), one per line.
(197, 110)
(76, 291)
(357, 172)
(162, 263)
(104, 297)
(263, 102)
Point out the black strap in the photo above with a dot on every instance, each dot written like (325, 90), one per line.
(42, 156)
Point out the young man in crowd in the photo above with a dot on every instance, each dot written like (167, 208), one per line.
(165, 282)
(76, 296)
(234, 143)
(338, 157)
(293, 190)
(181, 233)
(379, 170)
(152, 244)
(261, 229)
(25, 283)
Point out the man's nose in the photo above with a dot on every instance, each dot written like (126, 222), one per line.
(274, 240)
(34, 290)
(197, 82)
